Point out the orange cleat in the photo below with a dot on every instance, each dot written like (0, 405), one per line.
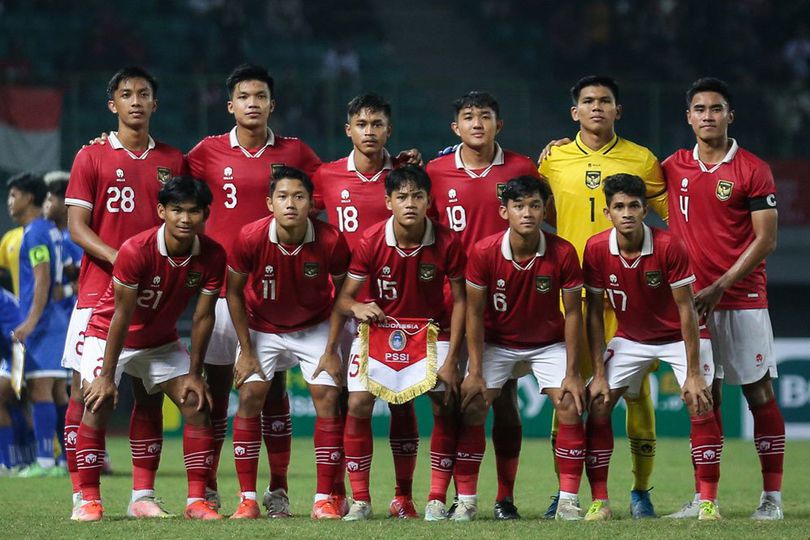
(402, 507)
(201, 510)
(324, 509)
(340, 503)
(247, 509)
(88, 511)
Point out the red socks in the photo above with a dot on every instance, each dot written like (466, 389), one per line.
(328, 452)
(469, 453)
(145, 443)
(442, 455)
(73, 419)
(706, 449)
(359, 446)
(506, 439)
(90, 449)
(198, 455)
(769, 438)
(219, 422)
(404, 438)
(247, 442)
(599, 437)
(277, 434)
(569, 454)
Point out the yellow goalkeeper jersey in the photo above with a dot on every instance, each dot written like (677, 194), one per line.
(10, 256)
(575, 174)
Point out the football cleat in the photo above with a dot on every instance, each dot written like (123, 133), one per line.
(147, 507)
(641, 506)
(551, 511)
(247, 509)
(402, 507)
(341, 504)
(359, 511)
(505, 509)
(688, 511)
(466, 510)
(568, 510)
(453, 506)
(34, 470)
(435, 511)
(277, 503)
(201, 510)
(324, 509)
(213, 499)
(88, 511)
(599, 511)
(77, 503)
(768, 509)
(708, 511)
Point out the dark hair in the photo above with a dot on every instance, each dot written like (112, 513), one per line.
(30, 183)
(249, 72)
(405, 175)
(372, 102)
(524, 186)
(58, 188)
(629, 184)
(182, 189)
(595, 80)
(132, 72)
(290, 173)
(477, 99)
(709, 84)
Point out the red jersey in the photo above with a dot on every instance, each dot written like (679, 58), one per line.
(523, 299)
(352, 201)
(239, 178)
(712, 215)
(466, 200)
(120, 189)
(288, 287)
(165, 286)
(409, 282)
(637, 289)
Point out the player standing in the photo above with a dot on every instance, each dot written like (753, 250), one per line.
(111, 196)
(575, 171)
(725, 212)
(647, 277)
(514, 284)
(9, 319)
(466, 185)
(133, 329)
(405, 259)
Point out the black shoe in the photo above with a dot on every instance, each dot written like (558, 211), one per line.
(452, 509)
(505, 509)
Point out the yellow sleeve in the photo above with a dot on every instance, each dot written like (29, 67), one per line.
(656, 188)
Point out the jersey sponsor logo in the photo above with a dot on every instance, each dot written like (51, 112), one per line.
(542, 284)
(227, 173)
(593, 179)
(499, 189)
(684, 184)
(723, 190)
(759, 359)
(654, 278)
(275, 167)
(613, 279)
(164, 174)
(268, 269)
(397, 340)
(156, 281)
(452, 195)
(345, 196)
(311, 269)
(427, 272)
(193, 279)
(119, 175)
(501, 284)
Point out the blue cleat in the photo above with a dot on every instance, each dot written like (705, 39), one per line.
(551, 511)
(641, 506)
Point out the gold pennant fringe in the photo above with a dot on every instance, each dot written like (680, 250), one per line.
(403, 396)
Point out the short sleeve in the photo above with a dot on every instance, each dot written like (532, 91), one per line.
(317, 195)
(130, 265)
(456, 260)
(570, 271)
(679, 272)
(195, 160)
(594, 281)
(308, 160)
(531, 169)
(339, 261)
(656, 186)
(37, 245)
(81, 189)
(762, 183)
(240, 259)
(477, 273)
(359, 268)
(215, 271)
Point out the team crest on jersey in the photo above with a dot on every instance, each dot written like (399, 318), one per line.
(499, 189)
(164, 174)
(723, 190)
(653, 278)
(275, 167)
(427, 272)
(593, 179)
(193, 279)
(311, 269)
(542, 284)
(397, 340)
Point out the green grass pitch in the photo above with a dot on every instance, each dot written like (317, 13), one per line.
(40, 508)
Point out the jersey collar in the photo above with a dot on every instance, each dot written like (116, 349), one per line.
(428, 239)
(163, 250)
(388, 164)
(604, 150)
(646, 246)
(308, 237)
(497, 160)
(271, 140)
(727, 159)
(115, 142)
(506, 250)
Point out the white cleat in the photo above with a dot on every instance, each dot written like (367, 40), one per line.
(359, 511)
(277, 503)
(768, 510)
(435, 511)
(568, 510)
(688, 511)
(77, 503)
(466, 510)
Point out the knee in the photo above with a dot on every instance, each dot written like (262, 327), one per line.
(326, 400)
(598, 408)
(361, 404)
(476, 412)
(251, 400)
(758, 393)
(567, 410)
